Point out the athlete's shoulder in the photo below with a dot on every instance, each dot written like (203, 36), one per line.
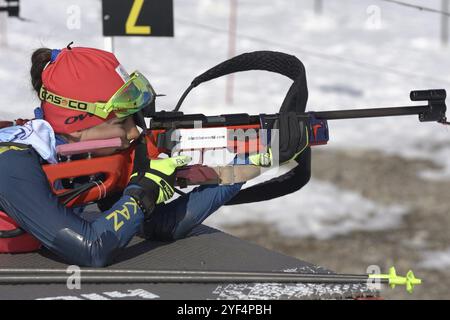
(37, 133)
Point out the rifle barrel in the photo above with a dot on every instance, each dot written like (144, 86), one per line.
(370, 113)
(190, 120)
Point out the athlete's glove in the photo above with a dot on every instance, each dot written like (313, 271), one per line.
(292, 133)
(263, 159)
(152, 181)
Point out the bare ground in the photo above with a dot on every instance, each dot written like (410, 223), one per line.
(388, 180)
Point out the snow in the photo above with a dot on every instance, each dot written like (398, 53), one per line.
(358, 53)
(321, 210)
(437, 260)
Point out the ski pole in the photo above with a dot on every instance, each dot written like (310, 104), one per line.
(22, 276)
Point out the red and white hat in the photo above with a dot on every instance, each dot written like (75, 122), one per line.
(85, 74)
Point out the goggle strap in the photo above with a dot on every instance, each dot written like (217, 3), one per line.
(97, 108)
(100, 109)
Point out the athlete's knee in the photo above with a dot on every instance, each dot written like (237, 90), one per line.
(89, 252)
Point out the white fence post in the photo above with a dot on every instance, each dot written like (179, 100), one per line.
(232, 29)
(3, 27)
(318, 7)
(108, 44)
(445, 7)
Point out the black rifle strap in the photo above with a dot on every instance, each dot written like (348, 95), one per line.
(278, 62)
(295, 100)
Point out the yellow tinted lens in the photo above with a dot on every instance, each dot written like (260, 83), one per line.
(128, 94)
(136, 94)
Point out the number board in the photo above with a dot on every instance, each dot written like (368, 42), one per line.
(138, 18)
(12, 7)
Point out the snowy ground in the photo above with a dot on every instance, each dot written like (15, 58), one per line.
(300, 215)
(358, 53)
(439, 260)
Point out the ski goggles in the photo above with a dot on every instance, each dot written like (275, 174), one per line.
(133, 96)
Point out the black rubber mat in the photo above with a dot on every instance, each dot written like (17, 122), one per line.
(204, 249)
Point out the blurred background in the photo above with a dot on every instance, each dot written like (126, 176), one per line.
(379, 193)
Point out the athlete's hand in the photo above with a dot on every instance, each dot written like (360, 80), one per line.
(293, 135)
(263, 159)
(152, 181)
(162, 173)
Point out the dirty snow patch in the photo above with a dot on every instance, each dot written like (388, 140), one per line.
(438, 260)
(321, 210)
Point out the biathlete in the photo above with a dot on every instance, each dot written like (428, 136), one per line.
(86, 95)
(90, 75)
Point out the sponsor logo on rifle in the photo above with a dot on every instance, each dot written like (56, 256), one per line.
(316, 128)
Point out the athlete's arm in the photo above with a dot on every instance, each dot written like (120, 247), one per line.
(176, 219)
(26, 197)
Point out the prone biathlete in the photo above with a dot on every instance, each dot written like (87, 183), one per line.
(87, 95)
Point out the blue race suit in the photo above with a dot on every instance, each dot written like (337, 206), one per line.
(25, 195)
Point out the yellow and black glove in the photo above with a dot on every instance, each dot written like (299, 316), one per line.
(152, 181)
(293, 138)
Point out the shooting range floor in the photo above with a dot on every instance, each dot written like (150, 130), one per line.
(204, 249)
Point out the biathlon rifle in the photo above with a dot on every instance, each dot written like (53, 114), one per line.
(86, 179)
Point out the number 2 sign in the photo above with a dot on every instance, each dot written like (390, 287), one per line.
(138, 18)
